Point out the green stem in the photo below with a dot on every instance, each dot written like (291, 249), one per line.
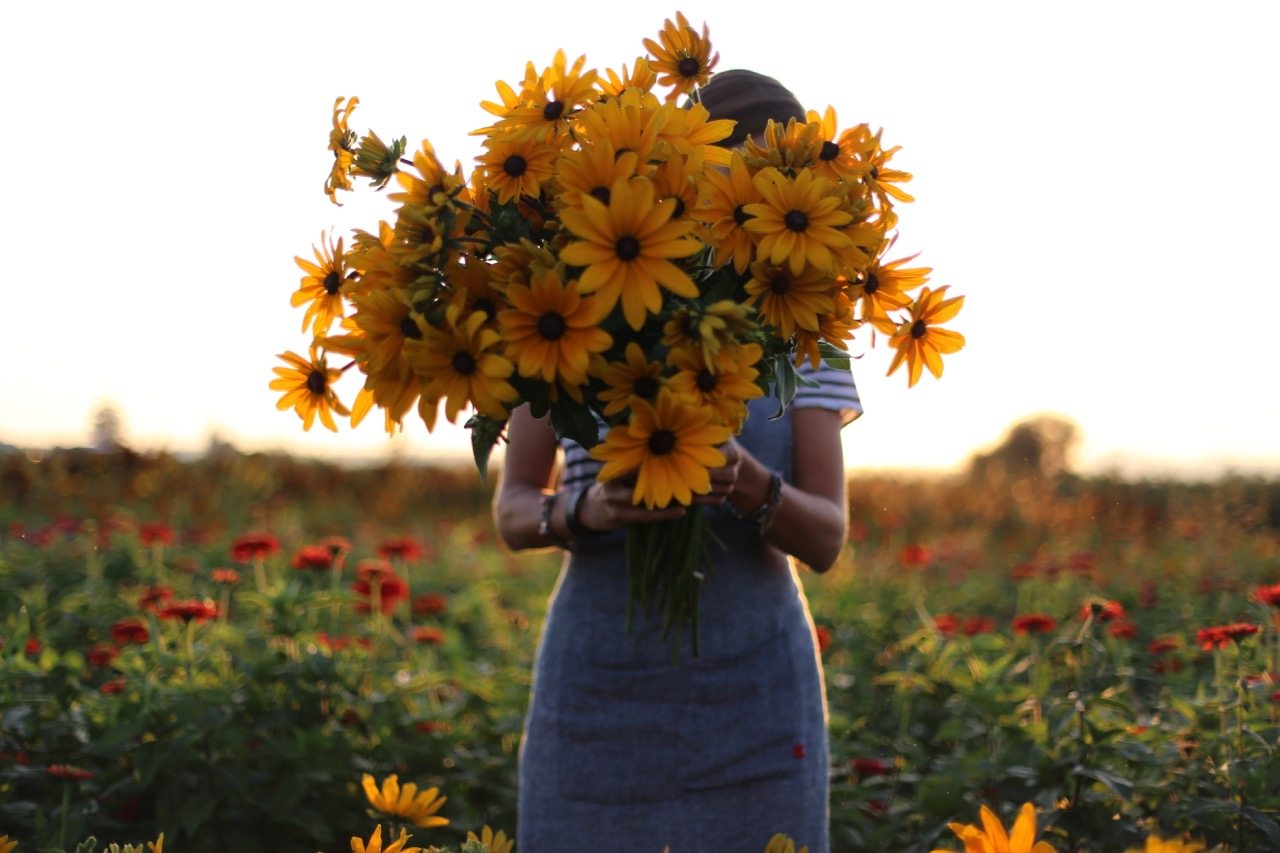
(62, 823)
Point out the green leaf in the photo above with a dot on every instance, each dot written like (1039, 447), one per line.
(1266, 823)
(485, 433)
(833, 356)
(89, 845)
(785, 383)
(574, 420)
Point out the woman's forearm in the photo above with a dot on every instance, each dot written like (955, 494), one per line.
(810, 527)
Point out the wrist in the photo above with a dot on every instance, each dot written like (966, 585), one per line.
(546, 525)
(574, 516)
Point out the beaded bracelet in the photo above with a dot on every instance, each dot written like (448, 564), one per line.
(762, 518)
(573, 518)
(544, 524)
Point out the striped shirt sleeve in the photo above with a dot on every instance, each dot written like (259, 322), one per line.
(835, 391)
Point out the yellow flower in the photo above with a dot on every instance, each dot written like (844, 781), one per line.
(493, 842)
(709, 328)
(791, 146)
(543, 109)
(723, 387)
(782, 844)
(1156, 844)
(683, 58)
(883, 287)
(671, 446)
(722, 207)
(789, 301)
(308, 389)
(551, 330)
(634, 377)
(321, 287)
(342, 142)
(591, 170)
(642, 78)
(7, 844)
(837, 156)
(874, 160)
(460, 364)
(156, 846)
(992, 838)
(375, 843)
(919, 341)
(516, 169)
(433, 188)
(798, 221)
(418, 808)
(631, 122)
(625, 246)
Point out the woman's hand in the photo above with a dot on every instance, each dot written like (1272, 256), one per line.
(725, 478)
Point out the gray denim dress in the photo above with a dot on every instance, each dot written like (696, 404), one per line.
(625, 749)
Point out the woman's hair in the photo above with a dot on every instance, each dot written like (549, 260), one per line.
(750, 99)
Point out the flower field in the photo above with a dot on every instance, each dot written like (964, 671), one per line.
(222, 649)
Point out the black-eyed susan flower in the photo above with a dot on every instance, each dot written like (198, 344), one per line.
(516, 169)
(631, 122)
(405, 801)
(837, 153)
(884, 287)
(551, 330)
(874, 161)
(670, 446)
(722, 207)
(460, 363)
(991, 837)
(591, 170)
(724, 385)
(790, 146)
(642, 78)
(677, 178)
(625, 247)
(692, 130)
(308, 387)
(377, 160)
(1156, 844)
(783, 844)
(919, 341)
(789, 301)
(374, 845)
(708, 329)
(681, 56)
(433, 188)
(7, 844)
(493, 842)
(634, 376)
(342, 142)
(321, 288)
(798, 221)
(545, 107)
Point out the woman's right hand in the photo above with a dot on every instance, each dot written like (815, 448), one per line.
(608, 506)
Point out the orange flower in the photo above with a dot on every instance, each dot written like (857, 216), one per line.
(1034, 623)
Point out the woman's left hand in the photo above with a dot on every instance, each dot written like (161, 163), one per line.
(725, 478)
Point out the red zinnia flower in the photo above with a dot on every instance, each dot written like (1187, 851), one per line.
(102, 655)
(153, 596)
(1034, 623)
(201, 611)
(342, 641)
(426, 634)
(66, 771)
(1104, 610)
(1125, 629)
(1268, 594)
(34, 646)
(429, 604)
(1218, 636)
(823, 636)
(156, 533)
(128, 631)
(974, 625)
(947, 624)
(915, 556)
(315, 557)
(401, 547)
(392, 589)
(374, 569)
(338, 546)
(230, 577)
(252, 546)
(867, 767)
(1160, 645)
(112, 687)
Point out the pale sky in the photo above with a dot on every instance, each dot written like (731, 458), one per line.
(1098, 178)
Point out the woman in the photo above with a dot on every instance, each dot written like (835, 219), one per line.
(624, 748)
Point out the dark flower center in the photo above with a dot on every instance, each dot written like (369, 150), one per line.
(601, 194)
(628, 248)
(872, 285)
(332, 282)
(464, 363)
(875, 173)
(551, 326)
(553, 110)
(689, 67)
(646, 388)
(830, 151)
(662, 442)
(316, 382)
(706, 381)
(486, 305)
(410, 329)
(740, 216)
(796, 220)
(918, 329)
(780, 285)
(515, 165)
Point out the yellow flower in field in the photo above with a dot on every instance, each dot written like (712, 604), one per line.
(670, 446)
(493, 842)
(418, 808)
(642, 78)
(919, 341)
(634, 377)
(591, 170)
(724, 387)
(624, 248)
(798, 221)
(683, 58)
(342, 141)
(459, 364)
(992, 838)
(375, 843)
(516, 169)
(783, 844)
(307, 384)
(7, 844)
(1155, 844)
(722, 207)
(551, 330)
(790, 301)
(837, 156)
(544, 108)
(790, 146)
(884, 287)
(321, 287)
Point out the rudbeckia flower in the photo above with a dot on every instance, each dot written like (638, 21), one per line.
(1155, 844)
(552, 330)
(992, 837)
(798, 222)
(460, 364)
(407, 802)
(321, 288)
(307, 384)
(374, 845)
(919, 341)
(683, 59)
(493, 842)
(636, 376)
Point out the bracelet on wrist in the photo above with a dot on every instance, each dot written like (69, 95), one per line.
(762, 517)
(545, 529)
(573, 518)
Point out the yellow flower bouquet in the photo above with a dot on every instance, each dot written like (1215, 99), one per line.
(614, 267)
